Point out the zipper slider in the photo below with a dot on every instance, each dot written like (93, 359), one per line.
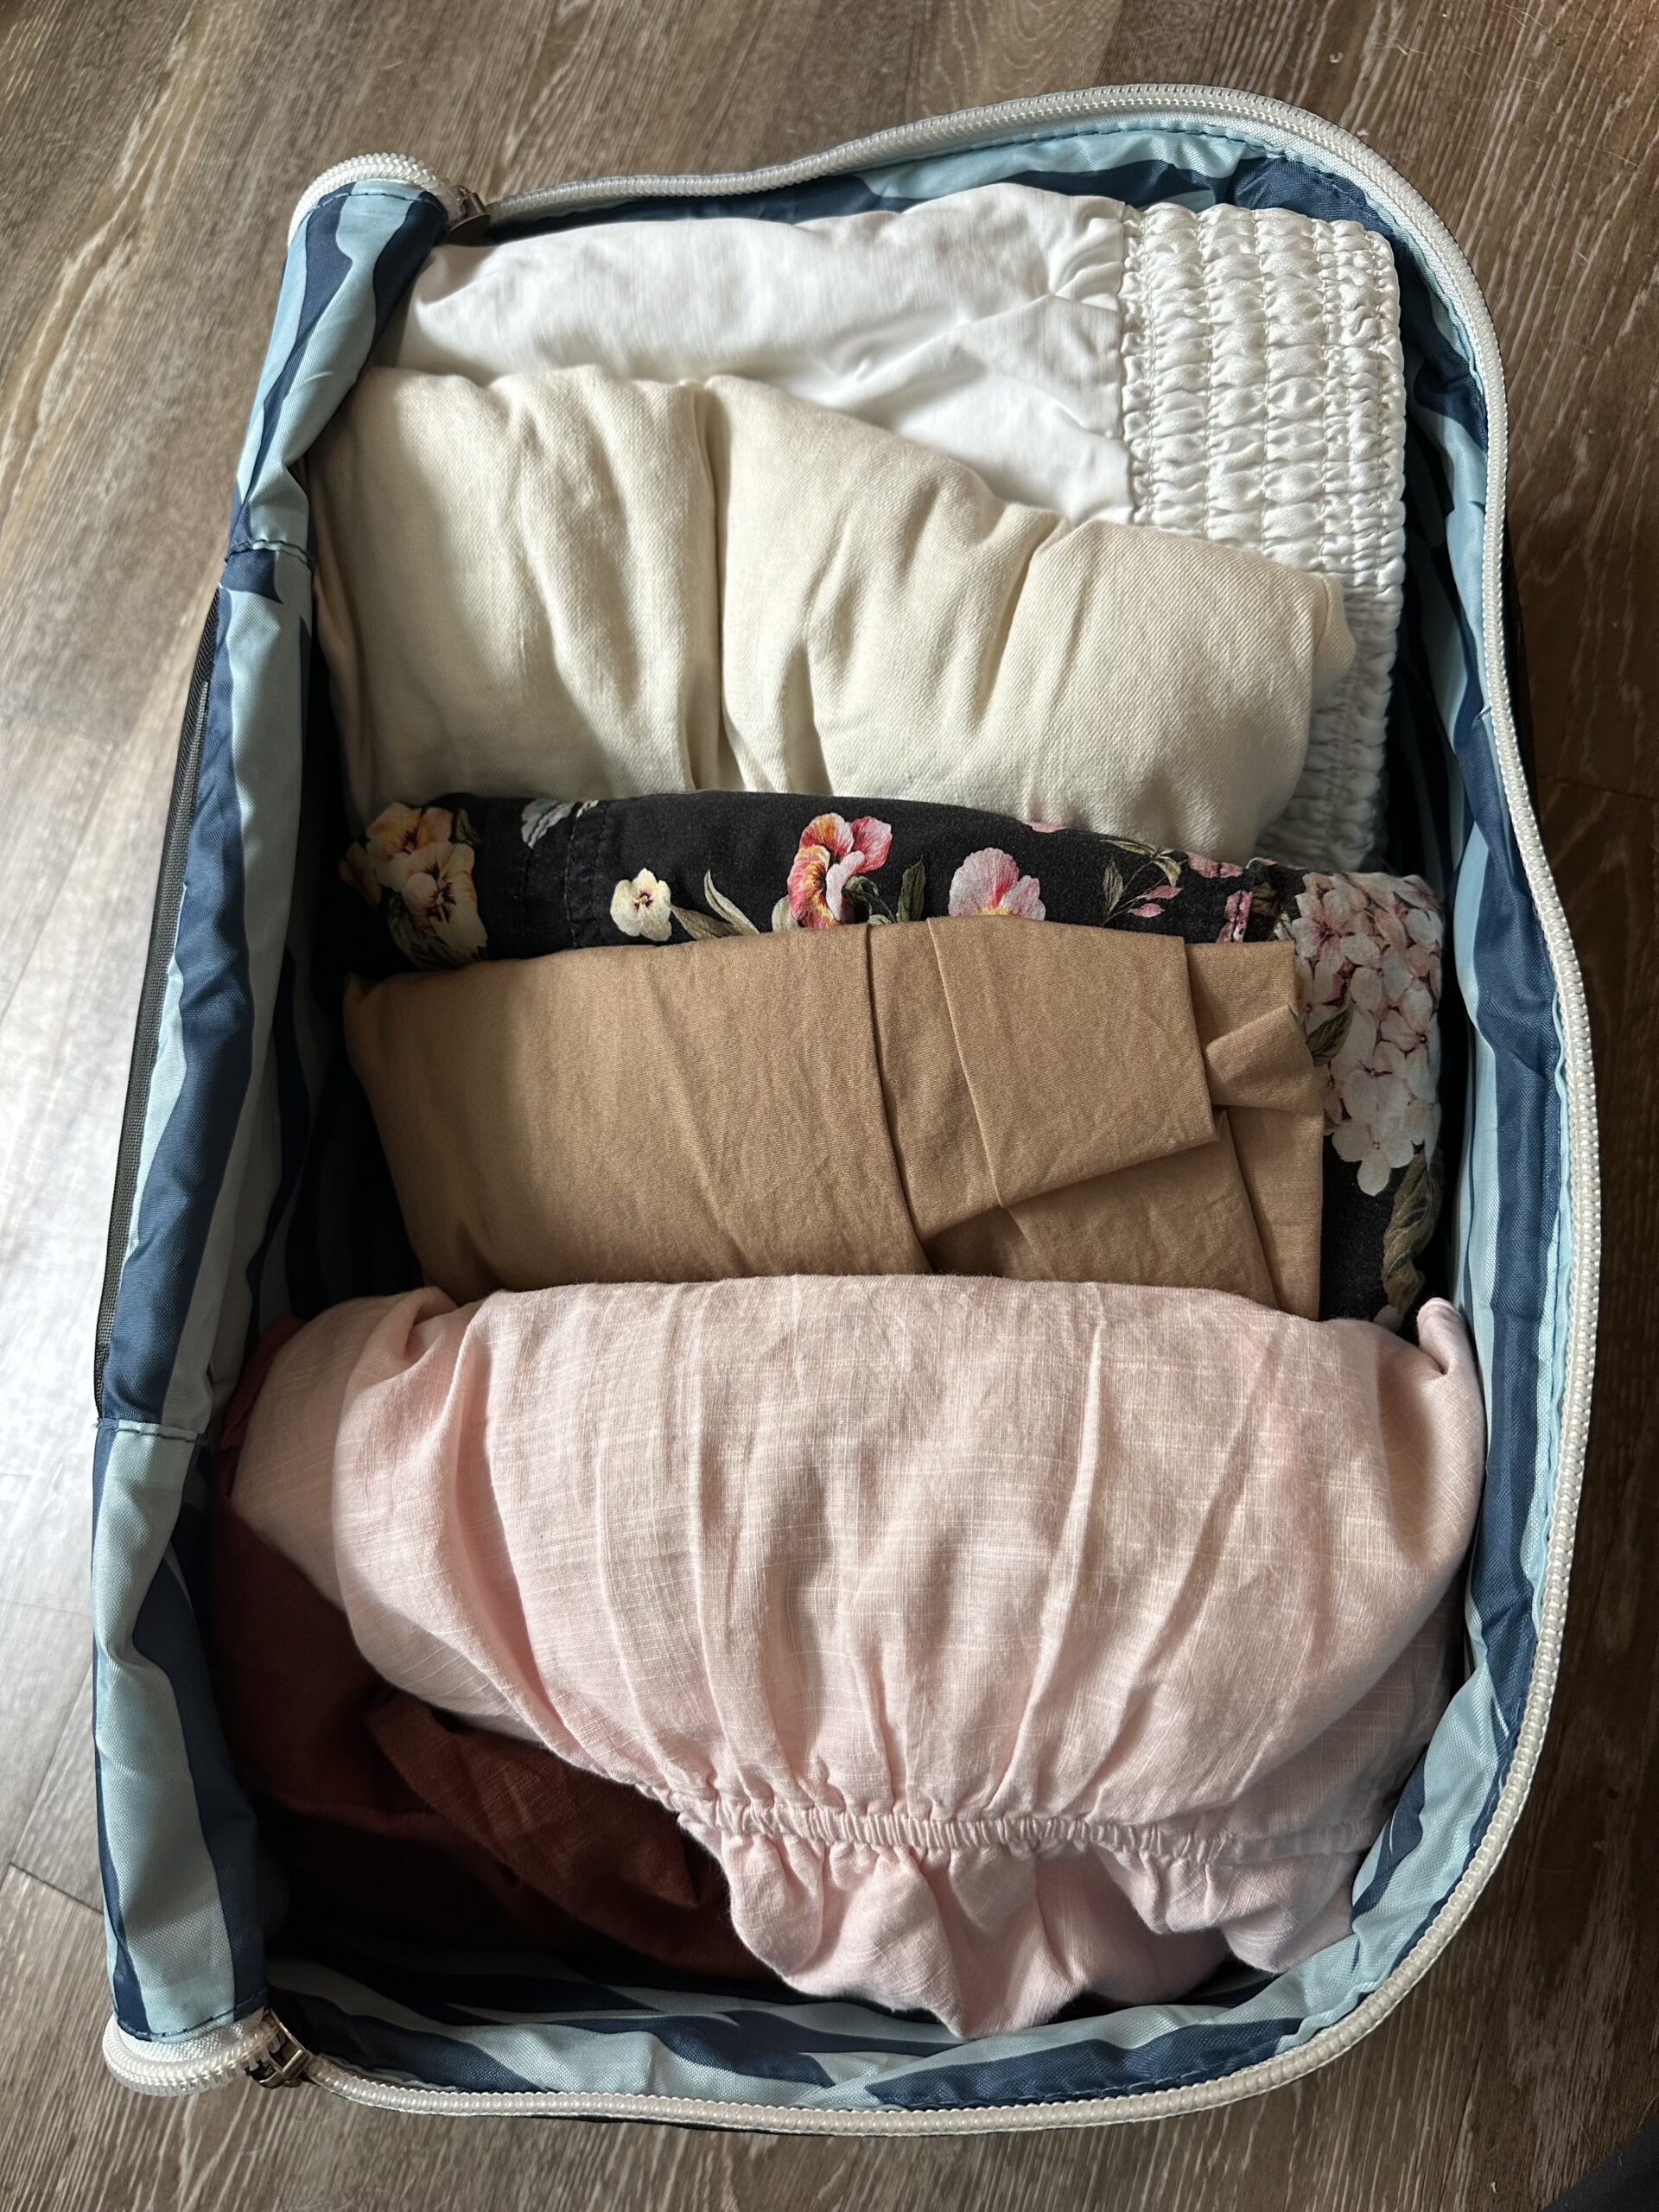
(283, 2064)
(471, 226)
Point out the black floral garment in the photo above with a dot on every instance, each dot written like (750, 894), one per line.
(466, 878)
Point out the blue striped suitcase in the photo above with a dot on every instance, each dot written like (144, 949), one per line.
(236, 1202)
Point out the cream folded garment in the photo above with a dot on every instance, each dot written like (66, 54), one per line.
(1058, 1104)
(590, 586)
(1004, 1640)
(1233, 372)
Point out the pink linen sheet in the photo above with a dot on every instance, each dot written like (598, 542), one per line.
(1003, 1640)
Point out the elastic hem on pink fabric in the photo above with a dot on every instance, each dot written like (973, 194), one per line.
(1026, 1834)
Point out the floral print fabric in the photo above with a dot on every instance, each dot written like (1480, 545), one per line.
(414, 867)
(469, 878)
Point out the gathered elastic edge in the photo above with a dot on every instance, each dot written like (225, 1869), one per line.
(893, 1829)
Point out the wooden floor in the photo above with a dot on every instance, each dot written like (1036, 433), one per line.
(150, 151)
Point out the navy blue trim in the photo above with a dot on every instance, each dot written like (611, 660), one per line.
(1089, 2068)
(253, 570)
(399, 261)
(377, 2047)
(326, 270)
(166, 1633)
(126, 1993)
(531, 1984)
(189, 1169)
(1400, 1839)
(775, 2046)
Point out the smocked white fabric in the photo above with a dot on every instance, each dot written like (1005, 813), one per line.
(1231, 373)
(1264, 406)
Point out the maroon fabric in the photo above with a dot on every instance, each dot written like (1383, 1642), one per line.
(383, 1810)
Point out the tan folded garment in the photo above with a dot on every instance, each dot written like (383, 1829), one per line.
(586, 585)
(1049, 1104)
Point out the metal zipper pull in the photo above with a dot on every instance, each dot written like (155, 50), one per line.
(283, 2064)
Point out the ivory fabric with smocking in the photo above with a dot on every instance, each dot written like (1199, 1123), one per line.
(1264, 407)
(1229, 372)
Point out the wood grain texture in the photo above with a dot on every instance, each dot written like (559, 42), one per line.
(152, 150)
(58, 1842)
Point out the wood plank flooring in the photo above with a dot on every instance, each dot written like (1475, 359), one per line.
(150, 151)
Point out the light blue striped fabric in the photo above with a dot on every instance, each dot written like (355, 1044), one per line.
(253, 1201)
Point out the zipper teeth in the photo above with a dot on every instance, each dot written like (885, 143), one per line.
(203, 2062)
(385, 169)
(966, 127)
(974, 126)
(1293, 131)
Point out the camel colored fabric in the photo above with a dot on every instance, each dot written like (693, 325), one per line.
(975, 1097)
(1004, 1640)
(383, 1810)
(588, 586)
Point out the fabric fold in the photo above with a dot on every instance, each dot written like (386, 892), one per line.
(1004, 1640)
(1230, 371)
(1022, 1102)
(383, 1811)
(587, 585)
(470, 878)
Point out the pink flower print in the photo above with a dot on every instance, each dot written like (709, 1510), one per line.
(1213, 869)
(832, 849)
(1369, 986)
(1236, 918)
(1147, 909)
(990, 882)
(1374, 1136)
(1326, 912)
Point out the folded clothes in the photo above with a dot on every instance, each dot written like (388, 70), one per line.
(1062, 1105)
(580, 584)
(1004, 1640)
(473, 877)
(387, 1812)
(1233, 372)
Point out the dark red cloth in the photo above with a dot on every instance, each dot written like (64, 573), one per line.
(387, 1812)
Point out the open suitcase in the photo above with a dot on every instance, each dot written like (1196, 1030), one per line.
(228, 1202)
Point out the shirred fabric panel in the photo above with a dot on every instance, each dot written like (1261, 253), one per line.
(764, 1550)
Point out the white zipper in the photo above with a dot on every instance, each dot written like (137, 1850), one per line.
(1288, 130)
(458, 203)
(195, 2062)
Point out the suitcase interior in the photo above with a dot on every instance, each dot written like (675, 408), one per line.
(253, 1187)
